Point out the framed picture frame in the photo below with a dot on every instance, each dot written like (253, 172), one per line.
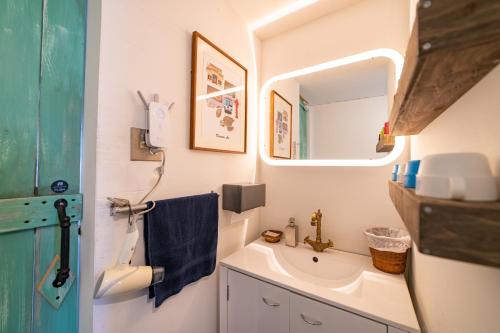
(280, 127)
(218, 99)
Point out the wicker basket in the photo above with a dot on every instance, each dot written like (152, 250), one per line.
(389, 248)
(389, 262)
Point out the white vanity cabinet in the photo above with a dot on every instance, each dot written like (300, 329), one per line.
(272, 288)
(249, 305)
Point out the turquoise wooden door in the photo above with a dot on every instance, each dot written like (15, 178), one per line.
(42, 45)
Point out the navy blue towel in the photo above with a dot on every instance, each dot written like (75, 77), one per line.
(181, 235)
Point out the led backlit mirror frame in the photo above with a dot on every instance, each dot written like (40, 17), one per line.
(390, 54)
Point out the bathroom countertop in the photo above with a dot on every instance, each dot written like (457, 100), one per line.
(344, 280)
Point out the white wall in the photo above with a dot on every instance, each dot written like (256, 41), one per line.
(347, 130)
(449, 296)
(454, 297)
(351, 198)
(147, 45)
(364, 26)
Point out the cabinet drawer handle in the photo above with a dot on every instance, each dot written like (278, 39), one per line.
(309, 320)
(269, 302)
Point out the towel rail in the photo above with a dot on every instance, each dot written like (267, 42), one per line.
(126, 209)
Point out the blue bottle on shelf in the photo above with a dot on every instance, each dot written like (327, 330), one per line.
(394, 176)
(410, 177)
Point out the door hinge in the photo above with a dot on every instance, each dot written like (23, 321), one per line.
(37, 212)
(79, 231)
(227, 293)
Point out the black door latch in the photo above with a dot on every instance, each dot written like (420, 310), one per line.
(64, 223)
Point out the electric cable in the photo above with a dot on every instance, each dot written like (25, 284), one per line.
(126, 203)
(161, 171)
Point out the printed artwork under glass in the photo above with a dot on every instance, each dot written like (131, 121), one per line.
(218, 99)
(281, 127)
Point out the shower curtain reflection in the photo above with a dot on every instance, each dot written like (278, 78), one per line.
(303, 131)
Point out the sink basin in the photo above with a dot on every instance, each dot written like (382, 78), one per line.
(329, 265)
(330, 269)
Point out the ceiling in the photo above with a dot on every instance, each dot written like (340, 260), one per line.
(254, 10)
(359, 80)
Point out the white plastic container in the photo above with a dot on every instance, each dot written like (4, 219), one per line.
(458, 176)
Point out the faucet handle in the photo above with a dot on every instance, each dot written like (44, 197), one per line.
(314, 219)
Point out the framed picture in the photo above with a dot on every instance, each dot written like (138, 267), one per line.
(281, 127)
(218, 99)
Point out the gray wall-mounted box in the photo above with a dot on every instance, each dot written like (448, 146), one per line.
(241, 197)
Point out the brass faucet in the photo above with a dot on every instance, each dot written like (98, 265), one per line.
(317, 245)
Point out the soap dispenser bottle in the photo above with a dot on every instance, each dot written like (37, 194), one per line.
(291, 233)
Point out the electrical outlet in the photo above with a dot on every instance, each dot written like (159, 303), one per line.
(139, 151)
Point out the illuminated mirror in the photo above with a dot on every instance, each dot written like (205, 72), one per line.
(331, 113)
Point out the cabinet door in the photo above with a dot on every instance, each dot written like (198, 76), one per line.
(242, 311)
(311, 316)
(255, 306)
(273, 309)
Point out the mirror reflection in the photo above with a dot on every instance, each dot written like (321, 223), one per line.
(336, 113)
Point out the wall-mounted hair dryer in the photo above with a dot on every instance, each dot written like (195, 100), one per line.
(123, 277)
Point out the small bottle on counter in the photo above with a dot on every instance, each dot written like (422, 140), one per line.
(291, 233)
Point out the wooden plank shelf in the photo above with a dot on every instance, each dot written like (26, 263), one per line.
(385, 144)
(453, 45)
(464, 231)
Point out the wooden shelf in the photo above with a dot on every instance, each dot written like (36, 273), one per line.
(385, 144)
(453, 45)
(465, 231)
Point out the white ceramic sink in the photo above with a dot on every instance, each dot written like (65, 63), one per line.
(333, 267)
(342, 279)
